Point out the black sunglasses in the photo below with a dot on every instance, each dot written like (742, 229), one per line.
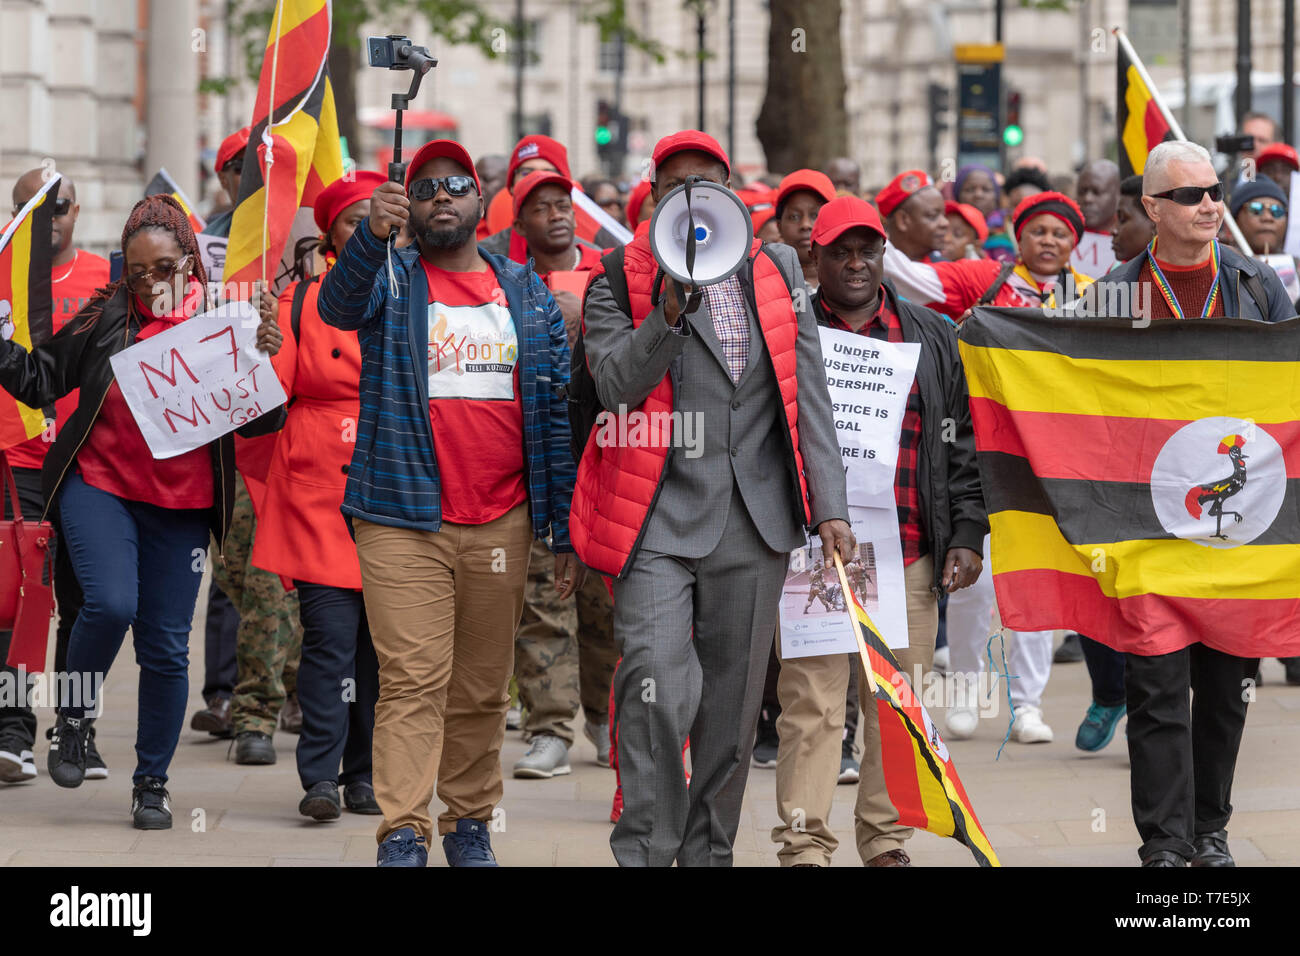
(61, 207)
(1275, 209)
(423, 189)
(1191, 195)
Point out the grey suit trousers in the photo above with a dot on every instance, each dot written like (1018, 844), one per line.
(695, 634)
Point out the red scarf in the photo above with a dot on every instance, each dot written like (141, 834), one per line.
(190, 304)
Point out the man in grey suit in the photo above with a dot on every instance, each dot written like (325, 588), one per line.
(698, 535)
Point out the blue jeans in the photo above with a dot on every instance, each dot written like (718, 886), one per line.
(338, 718)
(140, 567)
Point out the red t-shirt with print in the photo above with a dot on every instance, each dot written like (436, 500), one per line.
(72, 286)
(474, 402)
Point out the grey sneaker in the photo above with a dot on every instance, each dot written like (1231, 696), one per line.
(547, 757)
(598, 734)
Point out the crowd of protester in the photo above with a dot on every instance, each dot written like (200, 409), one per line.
(394, 576)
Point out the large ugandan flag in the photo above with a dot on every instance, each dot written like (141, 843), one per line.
(1142, 127)
(26, 304)
(1142, 483)
(919, 773)
(296, 103)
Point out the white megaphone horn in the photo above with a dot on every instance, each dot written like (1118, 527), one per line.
(700, 233)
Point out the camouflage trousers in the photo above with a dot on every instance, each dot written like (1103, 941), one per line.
(564, 651)
(269, 642)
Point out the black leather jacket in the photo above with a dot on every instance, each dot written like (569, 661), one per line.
(72, 359)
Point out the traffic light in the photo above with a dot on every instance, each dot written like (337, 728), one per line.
(939, 98)
(604, 127)
(1012, 133)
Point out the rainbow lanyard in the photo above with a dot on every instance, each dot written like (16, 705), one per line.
(1163, 284)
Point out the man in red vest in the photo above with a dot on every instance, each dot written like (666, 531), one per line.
(717, 450)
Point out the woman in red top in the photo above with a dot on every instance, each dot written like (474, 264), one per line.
(136, 528)
(301, 533)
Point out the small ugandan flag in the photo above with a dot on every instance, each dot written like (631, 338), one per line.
(163, 184)
(26, 305)
(919, 773)
(1142, 127)
(1142, 484)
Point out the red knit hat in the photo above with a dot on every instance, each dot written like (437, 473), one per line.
(809, 179)
(232, 146)
(636, 201)
(538, 146)
(899, 188)
(341, 193)
(442, 148)
(842, 214)
(1052, 204)
(688, 139)
(973, 217)
(534, 179)
(1278, 151)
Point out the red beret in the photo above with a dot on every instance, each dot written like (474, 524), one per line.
(341, 193)
(809, 179)
(636, 201)
(538, 146)
(232, 146)
(439, 149)
(688, 139)
(534, 179)
(842, 214)
(899, 188)
(1278, 151)
(1050, 204)
(973, 217)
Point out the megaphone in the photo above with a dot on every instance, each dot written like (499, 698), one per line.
(700, 233)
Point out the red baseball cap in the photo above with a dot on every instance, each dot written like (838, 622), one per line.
(341, 193)
(534, 179)
(689, 139)
(442, 148)
(809, 179)
(537, 146)
(842, 214)
(232, 146)
(899, 188)
(1278, 151)
(973, 217)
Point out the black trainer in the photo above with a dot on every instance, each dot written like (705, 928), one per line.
(321, 802)
(67, 760)
(151, 805)
(359, 797)
(766, 741)
(252, 747)
(96, 769)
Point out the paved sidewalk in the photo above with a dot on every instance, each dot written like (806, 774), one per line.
(1045, 804)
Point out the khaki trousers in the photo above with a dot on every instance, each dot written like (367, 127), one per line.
(811, 725)
(442, 608)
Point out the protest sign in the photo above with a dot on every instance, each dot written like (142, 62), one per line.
(199, 380)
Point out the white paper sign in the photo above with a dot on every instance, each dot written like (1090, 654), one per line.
(869, 381)
(814, 619)
(199, 380)
(1291, 244)
(1284, 266)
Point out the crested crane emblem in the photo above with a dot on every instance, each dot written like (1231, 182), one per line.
(1219, 491)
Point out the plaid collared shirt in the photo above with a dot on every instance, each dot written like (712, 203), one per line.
(730, 323)
(886, 325)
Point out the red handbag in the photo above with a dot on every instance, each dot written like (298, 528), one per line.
(26, 573)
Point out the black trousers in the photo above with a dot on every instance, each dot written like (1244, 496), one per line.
(1184, 751)
(19, 721)
(220, 629)
(1106, 670)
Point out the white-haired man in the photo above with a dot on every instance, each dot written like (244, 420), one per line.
(1183, 754)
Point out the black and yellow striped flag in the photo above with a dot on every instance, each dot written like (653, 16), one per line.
(26, 303)
(1143, 484)
(1142, 127)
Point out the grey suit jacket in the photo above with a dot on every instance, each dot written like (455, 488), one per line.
(738, 428)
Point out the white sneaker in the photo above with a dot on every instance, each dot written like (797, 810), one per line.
(514, 718)
(17, 764)
(961, 722)
(940, 665)
(1028, 727)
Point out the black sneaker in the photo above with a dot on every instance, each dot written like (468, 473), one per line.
(1070, 651)
(767, 741)
(359, 797)
(151, 805)
(321, 802)
(17, 765)
(96, 769)
(254, 748)
(1292, 665)
(67, 760)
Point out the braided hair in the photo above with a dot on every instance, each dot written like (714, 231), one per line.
(152, 212)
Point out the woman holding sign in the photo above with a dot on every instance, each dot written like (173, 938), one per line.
(136, 528)
(303, 536)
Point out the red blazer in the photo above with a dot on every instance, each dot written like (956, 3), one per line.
(300, 532)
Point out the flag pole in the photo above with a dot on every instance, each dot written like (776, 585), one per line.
(268, 139)
(1174, 128)
(857, 627)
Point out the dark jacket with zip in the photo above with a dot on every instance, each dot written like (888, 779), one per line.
(952, 501)
(75, 359)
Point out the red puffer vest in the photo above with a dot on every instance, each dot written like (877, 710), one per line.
(618, 482)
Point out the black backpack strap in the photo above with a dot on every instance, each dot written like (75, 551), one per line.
(1256, 289)
(992, 291)
(613, 264)
(295, 313)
